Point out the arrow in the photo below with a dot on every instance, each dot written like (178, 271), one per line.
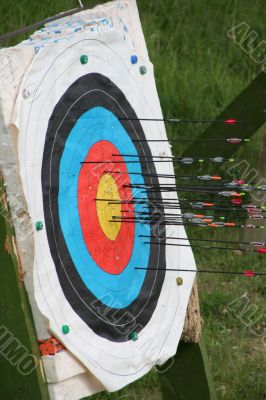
(261, 250)
(255, 217)
(217, 159)
(181, 139)
(184, 160)
(255, 244)
(196, 222)
(228, 121)
(248, 272)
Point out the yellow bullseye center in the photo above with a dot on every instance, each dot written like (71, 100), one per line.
(108, 189)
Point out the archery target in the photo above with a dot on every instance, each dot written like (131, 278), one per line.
(79, 152)
(89, 263)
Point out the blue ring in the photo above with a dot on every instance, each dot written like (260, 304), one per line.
(113, 290)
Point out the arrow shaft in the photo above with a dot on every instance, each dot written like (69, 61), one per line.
(201, 240)
(207, 271)
(183, 121)
(198, 246)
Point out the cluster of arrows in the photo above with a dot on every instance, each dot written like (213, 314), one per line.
(226, 199)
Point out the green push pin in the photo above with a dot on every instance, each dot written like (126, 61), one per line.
(143, 70)
(201, 161)
(39, 225)
(134, 336)
(84, 59)
(65, 329)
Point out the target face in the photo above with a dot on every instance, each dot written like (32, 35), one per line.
(81, 148)
(94, 257)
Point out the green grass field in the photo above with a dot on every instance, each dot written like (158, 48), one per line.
(199, 71)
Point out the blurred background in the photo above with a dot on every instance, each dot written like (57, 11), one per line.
(199, 71)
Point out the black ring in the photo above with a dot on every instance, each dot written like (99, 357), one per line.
(87, 92)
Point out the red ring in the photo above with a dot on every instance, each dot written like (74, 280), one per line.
(112, 256)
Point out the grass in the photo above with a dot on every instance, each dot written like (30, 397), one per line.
(199, 71)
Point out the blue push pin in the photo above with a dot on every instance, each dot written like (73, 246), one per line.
(134, 59)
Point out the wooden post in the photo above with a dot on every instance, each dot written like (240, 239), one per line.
(187, 376)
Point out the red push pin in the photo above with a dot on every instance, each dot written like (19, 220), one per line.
(249, 273)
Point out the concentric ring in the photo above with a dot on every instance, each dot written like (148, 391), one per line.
(106, 253)
(86, 286)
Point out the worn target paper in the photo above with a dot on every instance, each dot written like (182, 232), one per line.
(81, 148)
